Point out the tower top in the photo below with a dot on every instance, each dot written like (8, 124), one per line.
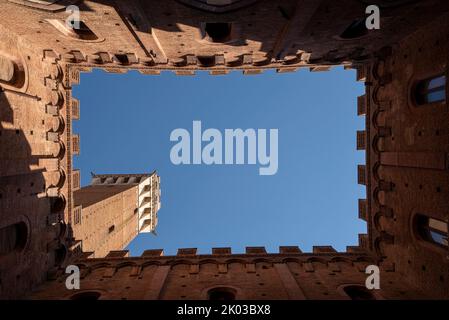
(148, 198)
(120, 178)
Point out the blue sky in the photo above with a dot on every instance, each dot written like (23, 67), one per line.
(125, 126)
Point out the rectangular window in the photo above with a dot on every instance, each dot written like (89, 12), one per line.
(432, 230)
(431, 90)
(438, 231)
(77, 215)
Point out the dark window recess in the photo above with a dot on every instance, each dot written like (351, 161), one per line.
(430, 90)
(226, 294)
(432, 230)
(206, 61)
(13, 238)
(355, 30)
(89, 295)
(359, 293)
(111, 228)
(84, 32)
(57, 204)
(125, 58)
(122, 58)
(60, 255)
(284, 13)
(218, 31)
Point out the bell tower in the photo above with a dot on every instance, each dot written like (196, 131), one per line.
(111, 211)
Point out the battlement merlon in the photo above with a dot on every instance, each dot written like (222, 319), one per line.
(249, 252)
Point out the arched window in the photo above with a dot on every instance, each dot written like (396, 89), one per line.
(13, 238)
(430, 90)
(87, 295)
(359, 293)
(355, 30)
(221, 293)
(432, 230)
